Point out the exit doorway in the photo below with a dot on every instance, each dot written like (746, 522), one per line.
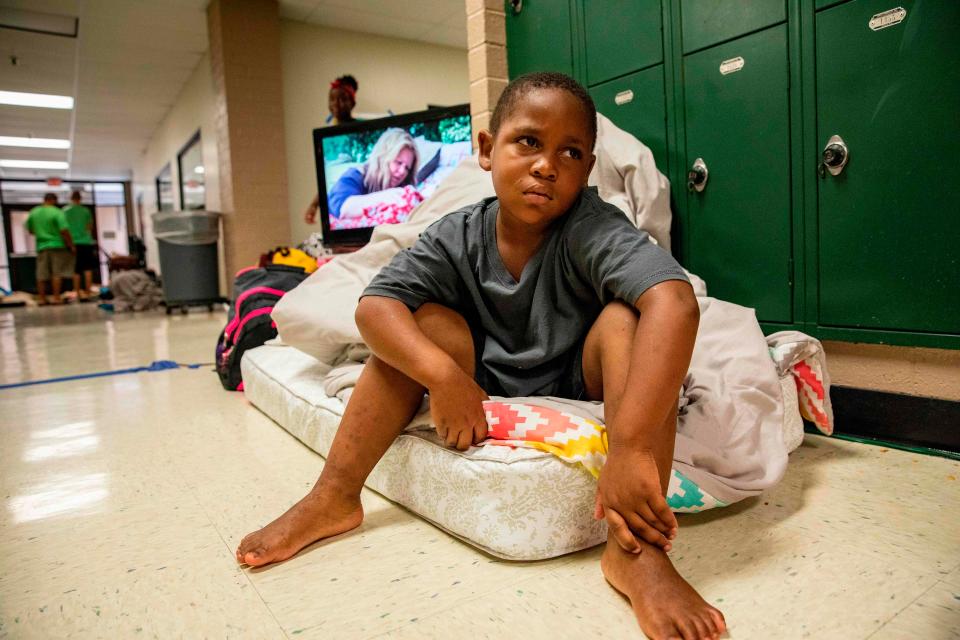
(18, 256)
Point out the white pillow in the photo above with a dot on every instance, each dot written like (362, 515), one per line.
(317, 316)
(428, 155)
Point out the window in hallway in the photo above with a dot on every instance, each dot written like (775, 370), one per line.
(192, 186)
(165, 189)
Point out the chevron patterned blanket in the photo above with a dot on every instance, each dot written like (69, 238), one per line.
(578, 440)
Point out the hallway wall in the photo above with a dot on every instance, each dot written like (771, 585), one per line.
(394, 74)
(193, 110)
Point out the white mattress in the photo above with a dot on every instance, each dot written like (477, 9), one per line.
(518, 504)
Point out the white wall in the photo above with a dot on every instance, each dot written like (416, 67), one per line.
(194, 109)
(397, 75)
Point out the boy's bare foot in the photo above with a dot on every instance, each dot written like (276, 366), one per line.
(316, 516)
(665, 604)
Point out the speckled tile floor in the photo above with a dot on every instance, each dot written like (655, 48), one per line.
(125, 496)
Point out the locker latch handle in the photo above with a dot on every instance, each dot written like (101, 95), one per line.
(697, 176)
(834, 157)
(517, 6)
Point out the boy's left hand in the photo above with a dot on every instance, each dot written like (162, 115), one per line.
(630, 498)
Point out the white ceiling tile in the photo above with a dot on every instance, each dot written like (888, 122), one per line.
(352, 20)
(457, 19)
(149, 21)
(44, 63)
(22, 42)
(19, 153)
(43, 120)
(297, 9)
(32, 174)
(449, 37)
(26, 131)
(423, 11)
(62, 7)
(382, 8)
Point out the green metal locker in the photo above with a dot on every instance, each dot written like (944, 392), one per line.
(622, 36)
(708, 22)
(739, 204)
(888, 86)
(636, 105)
(539, 37)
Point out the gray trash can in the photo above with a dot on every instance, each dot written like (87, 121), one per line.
(187, 242)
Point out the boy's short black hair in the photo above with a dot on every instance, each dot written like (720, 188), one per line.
(49, 196)
(519, 86)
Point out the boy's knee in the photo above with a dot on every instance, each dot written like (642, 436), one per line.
(436, 317)
(619, 315)
(448, 330)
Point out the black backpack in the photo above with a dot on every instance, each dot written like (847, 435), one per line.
(249, 325)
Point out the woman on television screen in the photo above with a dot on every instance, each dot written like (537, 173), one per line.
(380, 181)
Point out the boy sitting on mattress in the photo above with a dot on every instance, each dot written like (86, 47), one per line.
(543, 290)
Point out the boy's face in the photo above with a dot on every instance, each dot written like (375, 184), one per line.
(540, 157)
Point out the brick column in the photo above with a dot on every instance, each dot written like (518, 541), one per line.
(487, 59)
(248, 90)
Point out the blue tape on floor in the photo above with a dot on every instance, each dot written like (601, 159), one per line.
(157, 365)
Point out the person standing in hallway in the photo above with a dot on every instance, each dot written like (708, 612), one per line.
(80, 224)
(341, 100)
(54, 247)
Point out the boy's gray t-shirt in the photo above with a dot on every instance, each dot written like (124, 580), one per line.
(593, 255)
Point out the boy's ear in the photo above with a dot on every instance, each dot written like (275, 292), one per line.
(485, 144)
(593, 161)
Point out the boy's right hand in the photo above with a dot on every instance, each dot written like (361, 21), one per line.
(630, 497)
(456, 407)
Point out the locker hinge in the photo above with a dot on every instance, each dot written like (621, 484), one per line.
(790, 272)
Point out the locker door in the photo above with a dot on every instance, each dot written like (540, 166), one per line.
(737, 121)
(622, 36)
(707, 22)
(636, 105)
(539, 37)
(889, 85)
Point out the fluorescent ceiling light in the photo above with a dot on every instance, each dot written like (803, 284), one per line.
(33, 164)
(35, 143)
(36, 100)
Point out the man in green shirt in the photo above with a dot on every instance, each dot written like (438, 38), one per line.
(54, 247)
(80, 224)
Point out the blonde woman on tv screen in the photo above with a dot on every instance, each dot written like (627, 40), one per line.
(392, 165)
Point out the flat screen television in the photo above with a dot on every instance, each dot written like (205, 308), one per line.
(375, 172)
